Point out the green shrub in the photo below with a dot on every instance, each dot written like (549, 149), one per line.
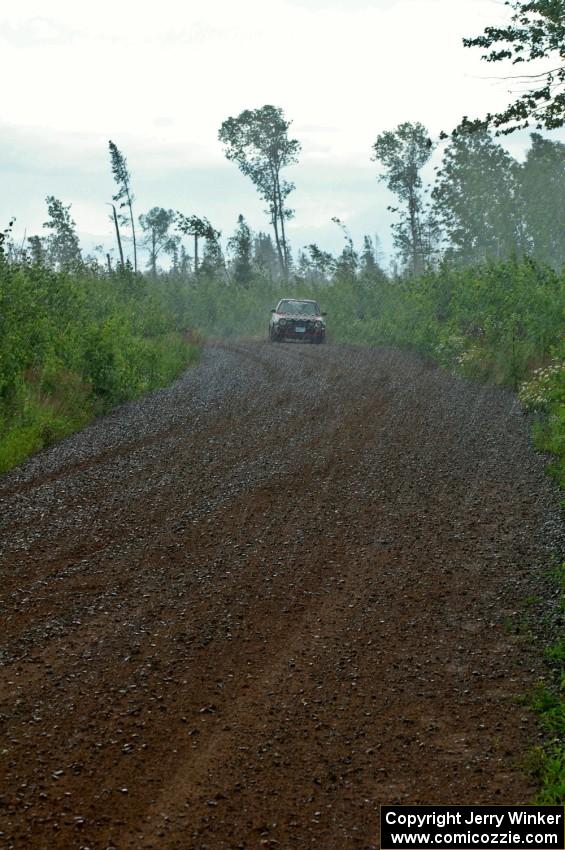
(72, 345)
(544, 392)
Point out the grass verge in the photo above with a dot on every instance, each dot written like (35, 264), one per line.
(548, 701)
(49, 406)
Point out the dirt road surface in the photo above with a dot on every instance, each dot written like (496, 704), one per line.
(248, 609)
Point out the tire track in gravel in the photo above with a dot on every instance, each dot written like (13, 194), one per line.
(287, 607)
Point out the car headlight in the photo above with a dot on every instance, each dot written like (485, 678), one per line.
(319, 324)
(282, 322)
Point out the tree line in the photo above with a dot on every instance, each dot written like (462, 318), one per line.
(483, 204)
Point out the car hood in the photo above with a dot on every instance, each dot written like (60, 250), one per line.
(296, 316)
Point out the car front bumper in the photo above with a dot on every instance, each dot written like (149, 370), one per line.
(288, 332)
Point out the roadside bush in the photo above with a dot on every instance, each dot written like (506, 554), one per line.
(491, 322)
(73, 345)
(544, 393)
(545, 387)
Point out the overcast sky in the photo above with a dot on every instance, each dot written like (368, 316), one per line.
(159, 78)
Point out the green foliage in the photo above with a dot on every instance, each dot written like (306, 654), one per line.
(213, 264)
(156, 224)
(556, 653)
(544, 392)
(549, 436)
(257, 140)
(536, 31)
(492, 207)
(488, 322)
(62, 249)
(552, 776)
(240, 246)
(317, 265)
(73, 344)
(476, 199)
(265, 260)
(545, 387)
(403, 153)
(46, 406)
(542, 190)
(550, 707)
(198, 228)
(549, 702)
(493, 322)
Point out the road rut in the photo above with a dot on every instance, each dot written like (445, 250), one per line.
(248, 609)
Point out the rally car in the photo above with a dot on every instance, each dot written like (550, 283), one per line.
(294, 319)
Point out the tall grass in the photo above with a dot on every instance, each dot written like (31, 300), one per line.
(72, 345)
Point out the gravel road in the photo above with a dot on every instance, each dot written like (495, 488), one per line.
(247, 610)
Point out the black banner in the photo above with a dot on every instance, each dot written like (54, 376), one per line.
(472, 827)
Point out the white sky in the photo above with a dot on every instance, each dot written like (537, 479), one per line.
(159, 78)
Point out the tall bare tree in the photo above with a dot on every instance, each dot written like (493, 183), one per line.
(124, 196)
(118, 236)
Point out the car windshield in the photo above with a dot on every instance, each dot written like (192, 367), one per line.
(299, 308)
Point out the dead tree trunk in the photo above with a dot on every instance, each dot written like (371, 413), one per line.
(118, 237)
